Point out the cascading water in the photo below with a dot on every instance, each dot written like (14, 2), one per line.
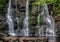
(49, 25)
(26, 19)
(50, 31)
(50, 21)
(25, 28)
(11, 31)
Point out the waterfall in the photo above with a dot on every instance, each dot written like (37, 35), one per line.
(51, 29)
(9, 20)
(48, 24)
(26, 19)
(25, 31)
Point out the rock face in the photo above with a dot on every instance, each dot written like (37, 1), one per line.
(57, 22)
(3, 26)
(2, 23)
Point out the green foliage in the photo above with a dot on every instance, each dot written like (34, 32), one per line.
(2, 5)
(58, 14)
(50, 1)
(57, 5)
(41, 2)
(38, 2)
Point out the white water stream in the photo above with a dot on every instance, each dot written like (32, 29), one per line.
(9, 20)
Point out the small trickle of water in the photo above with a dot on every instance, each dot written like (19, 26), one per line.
(40, 27)
(9, 20)
(17, 22)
